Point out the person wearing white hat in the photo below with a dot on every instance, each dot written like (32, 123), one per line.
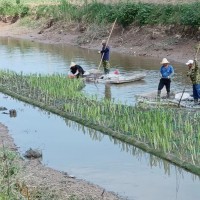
(194, 74)
(166, 72)
(76, 70)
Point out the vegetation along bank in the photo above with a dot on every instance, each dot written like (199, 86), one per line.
(183, 18)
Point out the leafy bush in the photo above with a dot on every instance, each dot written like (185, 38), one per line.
(191, 14)
(10, 9)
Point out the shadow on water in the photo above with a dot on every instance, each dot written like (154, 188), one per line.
(84, 152)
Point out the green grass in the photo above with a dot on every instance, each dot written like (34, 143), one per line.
(99, 13)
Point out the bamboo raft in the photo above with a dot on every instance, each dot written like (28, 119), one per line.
(116, 78)
(151, 99)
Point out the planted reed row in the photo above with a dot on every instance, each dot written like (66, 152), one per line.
(170, 131)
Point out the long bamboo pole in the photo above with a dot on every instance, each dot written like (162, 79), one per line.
(107, 42)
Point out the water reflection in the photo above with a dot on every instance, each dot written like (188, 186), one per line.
(108, 92)
(153, 161)
(94, 135)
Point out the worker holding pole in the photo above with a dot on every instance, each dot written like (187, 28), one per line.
(194, 74)
(105, 57)
(105, 52)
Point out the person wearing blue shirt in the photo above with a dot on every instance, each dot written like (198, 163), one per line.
(105, 56)
(166, 72)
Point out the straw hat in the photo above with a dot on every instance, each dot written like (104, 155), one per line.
(72, 64)
(164, 61)
(189, 62)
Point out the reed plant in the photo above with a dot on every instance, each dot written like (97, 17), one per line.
(171, 131)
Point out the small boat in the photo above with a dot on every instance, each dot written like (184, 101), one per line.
(113, 78)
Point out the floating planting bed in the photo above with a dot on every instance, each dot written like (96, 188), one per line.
(172, 134)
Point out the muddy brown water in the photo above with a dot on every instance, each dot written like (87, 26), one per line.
(83, 152)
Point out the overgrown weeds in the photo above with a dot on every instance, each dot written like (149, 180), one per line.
(13, 9)
(126, 12)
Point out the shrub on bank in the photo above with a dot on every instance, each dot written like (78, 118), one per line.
(125, 12)
(8, 8)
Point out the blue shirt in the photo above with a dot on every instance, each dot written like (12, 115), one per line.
(166, 72)
(105, 52)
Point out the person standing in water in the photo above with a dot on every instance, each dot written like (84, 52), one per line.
(194, 74)
(166, 72)
(105, 56)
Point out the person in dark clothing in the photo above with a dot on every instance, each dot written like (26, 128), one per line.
(105, 56)
(166, 71)
(76, 70)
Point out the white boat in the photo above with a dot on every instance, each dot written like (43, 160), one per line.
(118, 78)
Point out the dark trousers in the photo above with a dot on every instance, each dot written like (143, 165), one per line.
(164, 82)
(80, 74)
(196, 91)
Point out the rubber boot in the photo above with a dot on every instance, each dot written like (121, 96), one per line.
(158, 94)
(168, 95)
(195, 102)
